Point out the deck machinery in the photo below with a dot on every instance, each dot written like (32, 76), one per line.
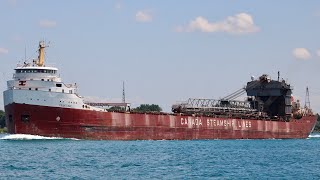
(266, 99)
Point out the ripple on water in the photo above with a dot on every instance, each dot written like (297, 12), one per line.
(34, 157)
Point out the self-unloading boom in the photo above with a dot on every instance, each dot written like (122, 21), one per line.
(212, 107)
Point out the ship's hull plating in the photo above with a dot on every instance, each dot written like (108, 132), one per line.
(88, 124)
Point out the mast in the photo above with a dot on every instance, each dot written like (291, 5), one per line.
(307, 103)
(25, 53)
(123, 93)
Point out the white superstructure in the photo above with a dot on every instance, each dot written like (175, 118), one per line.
(36, 84)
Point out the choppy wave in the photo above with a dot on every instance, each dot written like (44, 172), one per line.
(30, 137)
(314, 136)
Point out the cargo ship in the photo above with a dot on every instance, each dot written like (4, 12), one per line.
(38, 102)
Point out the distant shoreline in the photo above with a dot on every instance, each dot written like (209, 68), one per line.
(3, 130)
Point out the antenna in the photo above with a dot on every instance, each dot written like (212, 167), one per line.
(123, 93)
(25, 53)
(307, 103)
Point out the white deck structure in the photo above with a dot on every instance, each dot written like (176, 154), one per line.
(36, 84)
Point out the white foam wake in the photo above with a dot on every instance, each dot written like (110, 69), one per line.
(30, 137)
(314, 136)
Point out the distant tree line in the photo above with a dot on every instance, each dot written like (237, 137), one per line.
(147, 108)
(2, 119)
(116, 109)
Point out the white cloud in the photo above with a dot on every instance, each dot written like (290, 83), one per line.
(238, 24)
(144, 16)
(48, 23)
(301, 53)
(318, 52)
(4, 50)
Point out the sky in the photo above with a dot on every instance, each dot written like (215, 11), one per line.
(165, 51)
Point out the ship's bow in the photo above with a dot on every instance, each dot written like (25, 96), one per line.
(9, 110)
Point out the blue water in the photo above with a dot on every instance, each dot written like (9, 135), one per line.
(34, 157)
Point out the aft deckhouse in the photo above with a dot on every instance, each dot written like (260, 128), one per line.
(37, 84)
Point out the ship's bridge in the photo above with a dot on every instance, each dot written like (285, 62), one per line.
(27, 72)
(36, 79)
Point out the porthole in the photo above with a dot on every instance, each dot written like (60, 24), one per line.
(25, 118)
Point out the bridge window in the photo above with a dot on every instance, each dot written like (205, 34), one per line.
(36, 71)
(58, 85)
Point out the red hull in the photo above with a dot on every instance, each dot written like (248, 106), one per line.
(86, 124)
